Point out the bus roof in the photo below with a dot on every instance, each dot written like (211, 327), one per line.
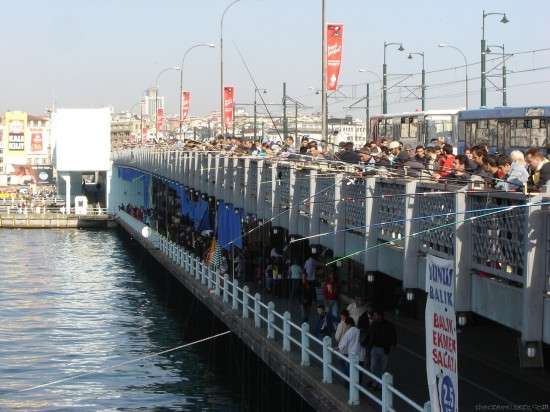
(504, 112)
(413, 114)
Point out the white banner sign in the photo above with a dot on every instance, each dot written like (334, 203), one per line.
(441, 345)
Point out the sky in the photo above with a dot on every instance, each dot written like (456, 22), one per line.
(107, 52)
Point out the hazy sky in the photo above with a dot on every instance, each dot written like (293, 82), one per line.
(106, 52)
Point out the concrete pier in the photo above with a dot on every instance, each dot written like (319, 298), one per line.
(53, 221)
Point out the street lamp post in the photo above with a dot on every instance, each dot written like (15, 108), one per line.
(324, 105)
(181, 77)
(222, 118)
(503, 20)
(256, 90)
(504, 94)
(157, 94)
(465, 65)
(385, 75)
(423, 87)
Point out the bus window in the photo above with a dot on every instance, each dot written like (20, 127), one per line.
(440, 129)
(493, 134)
(503, 136)
(482, 133)
(538, 133)
(471, 129)
(388, 132)
(520, 136)
(413, 129)
(404, 127)
(461, 136)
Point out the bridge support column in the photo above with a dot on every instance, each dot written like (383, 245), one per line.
(410, 244)
(462, 259)
(370, 258)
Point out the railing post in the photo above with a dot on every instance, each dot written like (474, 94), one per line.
(327, 360)
(225, 288)
(305, 344)
(218, 279)
(428, 407)
(245, 302)
(270, 328)
(235, 305)
(353, 379)
(204, 275)
(257, 319)
(196, 268)
(387, 395)
(286, 331)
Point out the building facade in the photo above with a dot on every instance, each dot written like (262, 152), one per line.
(24, 140)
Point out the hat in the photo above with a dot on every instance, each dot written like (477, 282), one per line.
(394, 144)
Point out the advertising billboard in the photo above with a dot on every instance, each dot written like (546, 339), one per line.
(37, 140)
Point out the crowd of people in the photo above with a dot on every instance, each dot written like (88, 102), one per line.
(358, 330)
(438, 161)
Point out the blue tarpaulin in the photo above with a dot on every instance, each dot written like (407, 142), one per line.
(229, 226)
(131, 175)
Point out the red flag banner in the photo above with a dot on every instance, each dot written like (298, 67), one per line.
(334, 54)
(160, 118)
(185, 100)
(228, 94)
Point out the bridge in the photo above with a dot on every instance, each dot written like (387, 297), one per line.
(384, 227)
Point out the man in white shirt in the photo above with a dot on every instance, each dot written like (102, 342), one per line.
(310, 267)
(357, 308)
(295, 274)
(350, 344)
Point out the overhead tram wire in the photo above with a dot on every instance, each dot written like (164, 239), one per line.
(438, 227)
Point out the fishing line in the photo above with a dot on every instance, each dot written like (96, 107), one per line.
(399, 221)
(256, 87)
(433, 229)
(101, 370)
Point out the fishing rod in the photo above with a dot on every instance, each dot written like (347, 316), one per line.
(256, 87)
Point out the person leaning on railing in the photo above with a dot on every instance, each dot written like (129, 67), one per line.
(540, 169)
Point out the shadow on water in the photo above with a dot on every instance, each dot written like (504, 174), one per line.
(255, 386)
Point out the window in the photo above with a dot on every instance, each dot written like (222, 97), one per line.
(404, 127)
(413, 127)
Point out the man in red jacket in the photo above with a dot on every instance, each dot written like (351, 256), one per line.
(446, 162)
(331, 296)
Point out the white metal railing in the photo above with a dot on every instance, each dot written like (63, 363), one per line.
(36, 210)
(311, 348)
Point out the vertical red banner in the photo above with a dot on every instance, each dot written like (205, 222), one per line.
(185, 100)
(160, 118)
(334, 36)
(228, 104)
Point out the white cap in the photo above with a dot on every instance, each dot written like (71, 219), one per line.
(394, 144)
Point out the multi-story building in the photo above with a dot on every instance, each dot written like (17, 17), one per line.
(151, 102)
(126, 129)
(24, 140)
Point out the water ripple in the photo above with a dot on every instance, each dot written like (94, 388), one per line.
(73, 302)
